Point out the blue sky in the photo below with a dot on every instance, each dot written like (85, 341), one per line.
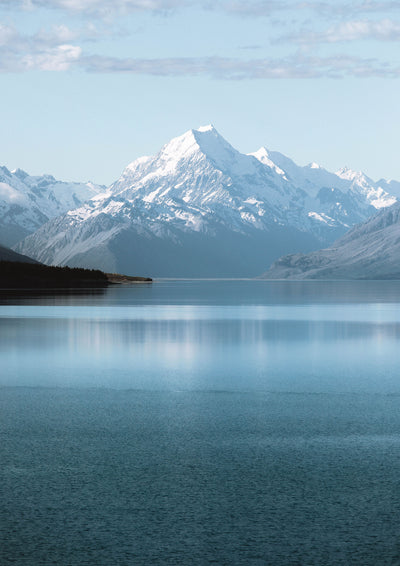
(89, 85)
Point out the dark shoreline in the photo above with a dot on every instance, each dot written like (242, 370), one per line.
(18, 275)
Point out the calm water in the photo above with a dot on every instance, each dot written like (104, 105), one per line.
(213, 422)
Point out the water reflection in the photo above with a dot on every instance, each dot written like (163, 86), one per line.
(92, 335)
(210, 352)
(219, 292)
(50, 296)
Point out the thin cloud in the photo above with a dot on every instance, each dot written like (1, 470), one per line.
(56, 59)
(295, 67)
(60, 48)
(346, 8)
(47, 50)
(51, 59)
(331, 9)
(110, 8)
(384, 30)
(256, 9)
(57, 35)
(98, 7)
(250, 47)
(61, 34)
(250, 8)
(8, 35)
(41, 53)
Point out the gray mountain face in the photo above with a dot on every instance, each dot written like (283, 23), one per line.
(200, 208)
(369, 251)
(9, 255)
(27, 202)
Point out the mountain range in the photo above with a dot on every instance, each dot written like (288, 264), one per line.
(200, 208)
(27, 202)
(369, 251)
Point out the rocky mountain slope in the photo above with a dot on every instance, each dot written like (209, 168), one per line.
(27, 202)
(369, 251)
(9, 255)
(201, 208)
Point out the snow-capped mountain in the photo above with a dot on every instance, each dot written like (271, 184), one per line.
(27, 202)
(313, 177)
(201, 208)
(369, 251)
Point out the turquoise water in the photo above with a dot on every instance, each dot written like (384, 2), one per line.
(201, 422)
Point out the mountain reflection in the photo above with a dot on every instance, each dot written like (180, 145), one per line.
(189, 352)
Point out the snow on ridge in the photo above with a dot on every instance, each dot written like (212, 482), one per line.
(194, 148)
(322, 218)
(263, 156)
(28, 201)
(201, 168)
(138, 161)
(208, 128)
(355, 176)
(376, 195)
(347, 173)
(177, 149)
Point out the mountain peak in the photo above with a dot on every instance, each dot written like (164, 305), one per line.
(349, 174)
(182, 145)
(204, 140)
(224, 156)
(263, 155)
(208, 134)
(20, 173)
(208, 128)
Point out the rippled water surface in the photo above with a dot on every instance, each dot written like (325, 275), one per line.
(201, 422)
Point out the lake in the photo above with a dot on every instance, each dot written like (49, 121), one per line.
(201, 422)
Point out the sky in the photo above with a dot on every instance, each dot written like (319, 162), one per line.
(87, 86)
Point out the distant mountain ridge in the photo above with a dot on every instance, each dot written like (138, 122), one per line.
(201, 208)
(369, 251)
(27, 202)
